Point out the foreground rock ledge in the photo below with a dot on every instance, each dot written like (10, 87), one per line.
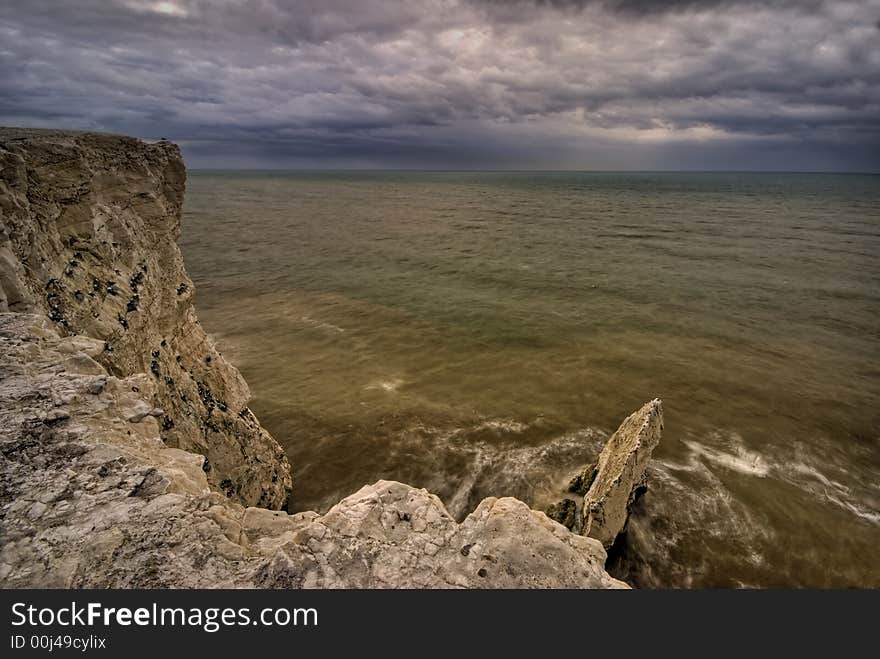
(112, 396)
(92, 497)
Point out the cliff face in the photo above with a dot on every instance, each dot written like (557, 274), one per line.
(89, 230)
(130, 458)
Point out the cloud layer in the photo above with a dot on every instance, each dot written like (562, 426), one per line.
(601, 84)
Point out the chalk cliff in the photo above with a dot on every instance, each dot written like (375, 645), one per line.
(130, 458)
(89, 232)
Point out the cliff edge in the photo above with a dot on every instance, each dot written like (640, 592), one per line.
(130, 458)
(89, 238)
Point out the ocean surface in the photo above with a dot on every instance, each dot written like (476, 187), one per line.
(481, 334)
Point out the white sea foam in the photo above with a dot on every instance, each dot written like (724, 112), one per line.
(872, 516)
(797, 473)
(329, 327)
(807, 470)
(755, 558)
(739, 459)
(504, 425)
(827, 489)
(535, 473)
(385, 385)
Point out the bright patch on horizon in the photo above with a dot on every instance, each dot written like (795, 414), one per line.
(170, 9)
(164, 7)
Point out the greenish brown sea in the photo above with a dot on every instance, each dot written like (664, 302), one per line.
(480, 334)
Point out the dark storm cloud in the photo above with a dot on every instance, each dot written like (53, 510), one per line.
(659, 6)
(458, 83)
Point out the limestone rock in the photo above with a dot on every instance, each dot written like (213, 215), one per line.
(88, 231)
(89, 499)
(390, 535)
(621, 473)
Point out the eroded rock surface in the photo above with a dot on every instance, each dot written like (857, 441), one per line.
(620, 474)
(90, 496)
(88, 236)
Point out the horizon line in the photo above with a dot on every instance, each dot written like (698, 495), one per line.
(534, 171)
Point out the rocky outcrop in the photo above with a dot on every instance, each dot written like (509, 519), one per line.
(620, 474)
(89, 229)
(130, 458)
(91, 496)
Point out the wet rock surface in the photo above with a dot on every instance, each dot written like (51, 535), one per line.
(582, 481)
(564, 512)
(621, 474)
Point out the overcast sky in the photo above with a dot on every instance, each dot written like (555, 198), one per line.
(540, 84)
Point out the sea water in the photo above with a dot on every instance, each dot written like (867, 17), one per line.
(481, 334)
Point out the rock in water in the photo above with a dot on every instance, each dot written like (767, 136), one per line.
(581, 483)
(621, 473)
(564, 512)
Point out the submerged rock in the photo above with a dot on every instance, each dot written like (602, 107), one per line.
(581, 483)
(621, 473)
(564, 512)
